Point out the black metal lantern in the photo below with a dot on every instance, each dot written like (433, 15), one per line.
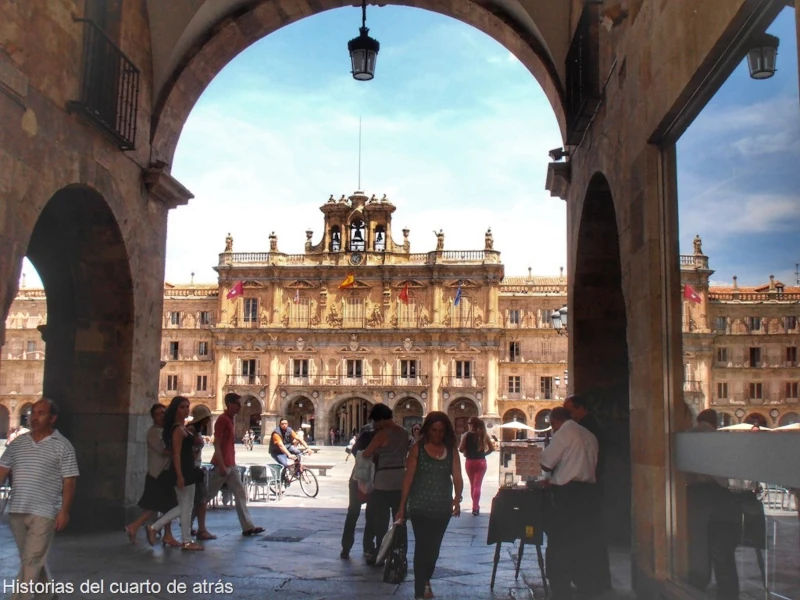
(559, 319)
(762, 57)
(363, 50)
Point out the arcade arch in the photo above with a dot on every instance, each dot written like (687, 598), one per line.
(724, 419)
(302, 415)
(789, 418)
(25, 414)
(5, 421)
(460, 410)
(408, 411)
(347, 416)
(514, 415)
(542, 420)
(755, 418)
(249, 417)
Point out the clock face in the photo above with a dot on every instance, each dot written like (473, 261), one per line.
(356, 258)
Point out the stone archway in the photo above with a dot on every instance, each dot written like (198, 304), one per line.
(599, 347)
(407, 412)
(789, 418)
(249, 417)
(460, 410)
(510, 416)
(347, 416)
(213, 40)
(542, 420)
(25, 413)
(302, 416)
(755, 418)
(5, 421)
(80, 254)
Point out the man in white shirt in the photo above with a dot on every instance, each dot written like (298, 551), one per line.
(572, 526)
(45, 471)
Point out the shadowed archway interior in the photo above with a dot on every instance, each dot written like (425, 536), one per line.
(78, 250)
(600, 349)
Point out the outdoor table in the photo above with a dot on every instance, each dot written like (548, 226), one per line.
(517, 515)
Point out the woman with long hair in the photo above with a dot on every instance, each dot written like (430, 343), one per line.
(433, 470)
(475, 446)
(180, 441)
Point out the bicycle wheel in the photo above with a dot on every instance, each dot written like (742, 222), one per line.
(308, 483)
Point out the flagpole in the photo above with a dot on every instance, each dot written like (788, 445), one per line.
(359, 152)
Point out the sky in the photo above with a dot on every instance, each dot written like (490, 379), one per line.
(455, 131)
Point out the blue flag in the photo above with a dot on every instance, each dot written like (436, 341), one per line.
(458, 296)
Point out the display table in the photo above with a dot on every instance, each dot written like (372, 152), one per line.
(517, 515)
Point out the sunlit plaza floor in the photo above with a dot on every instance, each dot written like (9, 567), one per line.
(298, 556)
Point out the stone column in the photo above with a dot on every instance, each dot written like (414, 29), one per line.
(490, 393)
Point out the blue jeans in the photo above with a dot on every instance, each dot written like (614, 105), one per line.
(282, 459)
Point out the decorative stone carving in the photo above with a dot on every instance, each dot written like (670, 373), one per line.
(406, 243)
(229, 243)
(698, 245)
(273, 242)
(489, 240)
(376, 317)
(333, 319)
(353, 342)
(300, 343)
(439, 240)
(478, 321)
(394, 320)
(163, 187)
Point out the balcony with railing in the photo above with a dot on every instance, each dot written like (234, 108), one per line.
(435, 257)
(239, 380)
(453, 381)
(694, 261)
(692, 387)
(373, 381)
(109, 92)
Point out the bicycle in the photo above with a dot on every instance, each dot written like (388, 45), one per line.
(296, 472)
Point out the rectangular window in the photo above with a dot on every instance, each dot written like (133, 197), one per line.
(514, 384)
(756, 391)
(720, 324)
(299, 311)
(513, 351)
(407, 314)
(755, 323)
(547, 347)
(791, 389)
(755, 357)
(462, 314)
(175, 318)
(174, 349)
(789, 323)
(354, 368)
(172, 383)
(202, 383)
(514, 317)
(408, 369)
(463, 369)
(353, 313)
(31, 347)
(722, 390)
(722, 355)
(791, 356)
(249, 367)
(546, 388)
(251, 310)
(300, 367)
(202, 349)
(29, 378)
(205, 318)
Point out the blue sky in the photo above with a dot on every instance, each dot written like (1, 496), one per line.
(739, 172)
(456, 133)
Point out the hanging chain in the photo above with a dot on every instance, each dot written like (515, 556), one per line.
(363, 13)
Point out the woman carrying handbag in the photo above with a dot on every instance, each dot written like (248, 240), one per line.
(433, 469)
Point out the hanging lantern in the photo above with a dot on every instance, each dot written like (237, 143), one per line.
(363, 50)
(762, 57)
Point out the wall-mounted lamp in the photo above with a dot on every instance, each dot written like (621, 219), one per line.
(558, 153)
(559, 319)
(762, 57)
(408, 405)
(463, 406)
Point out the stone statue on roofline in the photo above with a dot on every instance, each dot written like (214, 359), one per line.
(489, 245)
(698, 245)
(229, 243)
(439, 240)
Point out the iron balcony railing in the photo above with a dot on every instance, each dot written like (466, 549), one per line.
(692, 386)
(247, 380)
(109, 89)
(453, 381)
(346, 381)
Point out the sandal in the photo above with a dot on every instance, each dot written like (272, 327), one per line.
(171, 542)
(428, 591)
(151, 535)
(253, 531)
(131, 534)
(205, 535)
(191, 547)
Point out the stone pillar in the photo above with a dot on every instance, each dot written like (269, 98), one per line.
(272, 404)
(490, 393)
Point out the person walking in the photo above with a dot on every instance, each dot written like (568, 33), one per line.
(224, 461)
(433, 471)
(355, 500)
(159, 492)
(475, 446)
(198, 422)
(45, 472)
(180, 442)
(388, 450)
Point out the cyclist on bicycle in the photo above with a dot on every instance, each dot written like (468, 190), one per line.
(283, 443)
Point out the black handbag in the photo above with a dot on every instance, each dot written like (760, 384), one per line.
(396, 567)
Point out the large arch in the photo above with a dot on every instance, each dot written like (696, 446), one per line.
(25, 413)
(301, 410)
(214, 37)
(249, 417)
(348, 413)
(789, 418)
(5, 422)
(599, 346)
(510, 416)
(408, 409)
(79, 252)
(460, 409)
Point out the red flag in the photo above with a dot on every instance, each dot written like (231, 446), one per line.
(404, 294)
(690, 294)
(236, 291)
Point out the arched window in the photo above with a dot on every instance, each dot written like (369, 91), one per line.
(380, 239)
(358, 240)
(336, 239)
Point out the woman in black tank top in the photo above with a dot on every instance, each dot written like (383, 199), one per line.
(475, 446)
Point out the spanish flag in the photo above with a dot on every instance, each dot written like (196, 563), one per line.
(348, 282)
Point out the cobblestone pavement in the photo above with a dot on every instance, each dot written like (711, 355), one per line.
(298, 556)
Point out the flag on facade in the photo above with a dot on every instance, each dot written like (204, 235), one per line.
(690, 294)
(404, 294)
(297, 296)
(458, 296)
(236, 291)
(348, 282)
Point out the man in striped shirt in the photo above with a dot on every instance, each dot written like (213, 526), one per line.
(45, 470)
